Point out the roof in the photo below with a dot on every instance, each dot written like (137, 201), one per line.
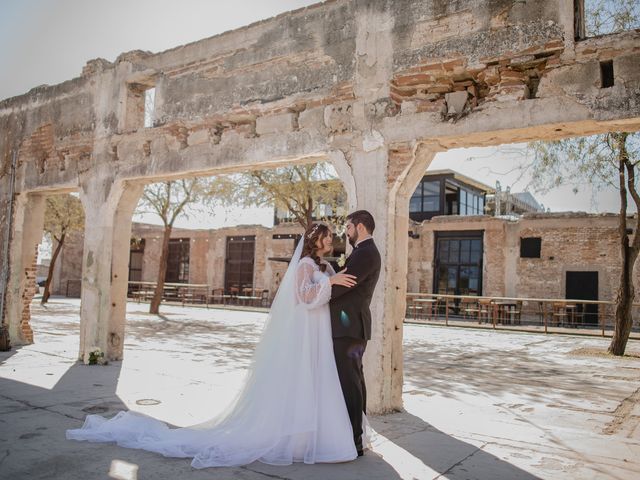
(461, 178)
(528, 199)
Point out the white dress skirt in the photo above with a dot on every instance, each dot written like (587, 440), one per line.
(290, 408)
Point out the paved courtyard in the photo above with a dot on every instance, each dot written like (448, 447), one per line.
(478, 404)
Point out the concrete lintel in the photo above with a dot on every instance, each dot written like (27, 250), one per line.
(280, 123)
(508, 122)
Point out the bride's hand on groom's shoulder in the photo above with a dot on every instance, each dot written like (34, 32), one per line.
(344, 279)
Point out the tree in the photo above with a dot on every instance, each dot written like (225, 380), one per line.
(168, 200)
(299, 189)
(612, 159)
(609, 16)
(63, 215)
(609, 159)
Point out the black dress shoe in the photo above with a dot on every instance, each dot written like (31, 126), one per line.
(360, 453)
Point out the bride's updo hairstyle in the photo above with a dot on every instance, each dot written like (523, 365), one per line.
(314, 232)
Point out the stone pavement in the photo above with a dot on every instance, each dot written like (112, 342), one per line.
(478, 404)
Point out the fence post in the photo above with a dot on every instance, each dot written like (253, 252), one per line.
(446, 311)
(494, 315)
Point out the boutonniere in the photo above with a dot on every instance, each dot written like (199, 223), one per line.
(341, 260)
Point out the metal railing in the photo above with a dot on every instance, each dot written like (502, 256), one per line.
(532, 314)
(201, 294)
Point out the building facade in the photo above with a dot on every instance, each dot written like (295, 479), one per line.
(539, 255)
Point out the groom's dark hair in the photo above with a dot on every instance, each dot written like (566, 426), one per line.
(363, 217)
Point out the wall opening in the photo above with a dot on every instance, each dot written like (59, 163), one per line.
(140, 106)
(149, 106)
(606, 74)
(579, 20)
(530, 247)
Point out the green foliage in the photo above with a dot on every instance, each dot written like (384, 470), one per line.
(577, 161)
(298, 189)
(611, 16)
(63, 215)
(96, 356)
(170, 198)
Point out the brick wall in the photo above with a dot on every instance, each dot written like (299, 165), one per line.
(569, 242)
(198, 252)
(27, 296)
(421, 251)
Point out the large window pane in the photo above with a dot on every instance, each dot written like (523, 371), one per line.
(415, 204)
(452, 273)
(465, 250)
(431, 188)
(459, 265)
(431, 204)
(431, 192)
(454, 251)
(442, 279)
(178, 261)
(239, 263)
(444, 251)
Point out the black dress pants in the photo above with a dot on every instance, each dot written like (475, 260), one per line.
(348, 352)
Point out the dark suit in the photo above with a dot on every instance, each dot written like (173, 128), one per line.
(351, 328)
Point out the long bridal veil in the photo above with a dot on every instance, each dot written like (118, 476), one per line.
(274, 406)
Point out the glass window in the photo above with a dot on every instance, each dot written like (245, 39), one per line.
(459, 265)
(453, 278)
(431, 192)
(465, 251)
(471, 203)
(431, 204)
(239, 263)
(431, 188)
(454, 252)
(178, 261)
(415, 204)
(444, 251)
(426, 198)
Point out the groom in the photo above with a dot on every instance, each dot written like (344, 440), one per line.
(351, 317)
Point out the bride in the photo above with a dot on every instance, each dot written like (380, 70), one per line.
(290, 407)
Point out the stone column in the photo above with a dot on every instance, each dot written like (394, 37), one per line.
(27, 234)
(382, 181)
(108, 209)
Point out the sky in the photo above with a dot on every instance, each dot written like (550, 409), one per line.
(49, 41)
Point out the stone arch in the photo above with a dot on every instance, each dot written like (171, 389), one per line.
(28, 221)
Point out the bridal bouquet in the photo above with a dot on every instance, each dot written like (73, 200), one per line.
(96, 356)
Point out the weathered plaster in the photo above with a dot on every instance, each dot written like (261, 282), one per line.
(365, 85)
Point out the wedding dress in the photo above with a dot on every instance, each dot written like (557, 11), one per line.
(290, 407)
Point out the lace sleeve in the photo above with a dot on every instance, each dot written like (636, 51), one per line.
(330, 269)
(309, 293)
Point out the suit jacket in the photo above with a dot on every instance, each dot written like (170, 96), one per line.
(350, 313)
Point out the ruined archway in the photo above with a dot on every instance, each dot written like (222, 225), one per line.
(376, 87)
